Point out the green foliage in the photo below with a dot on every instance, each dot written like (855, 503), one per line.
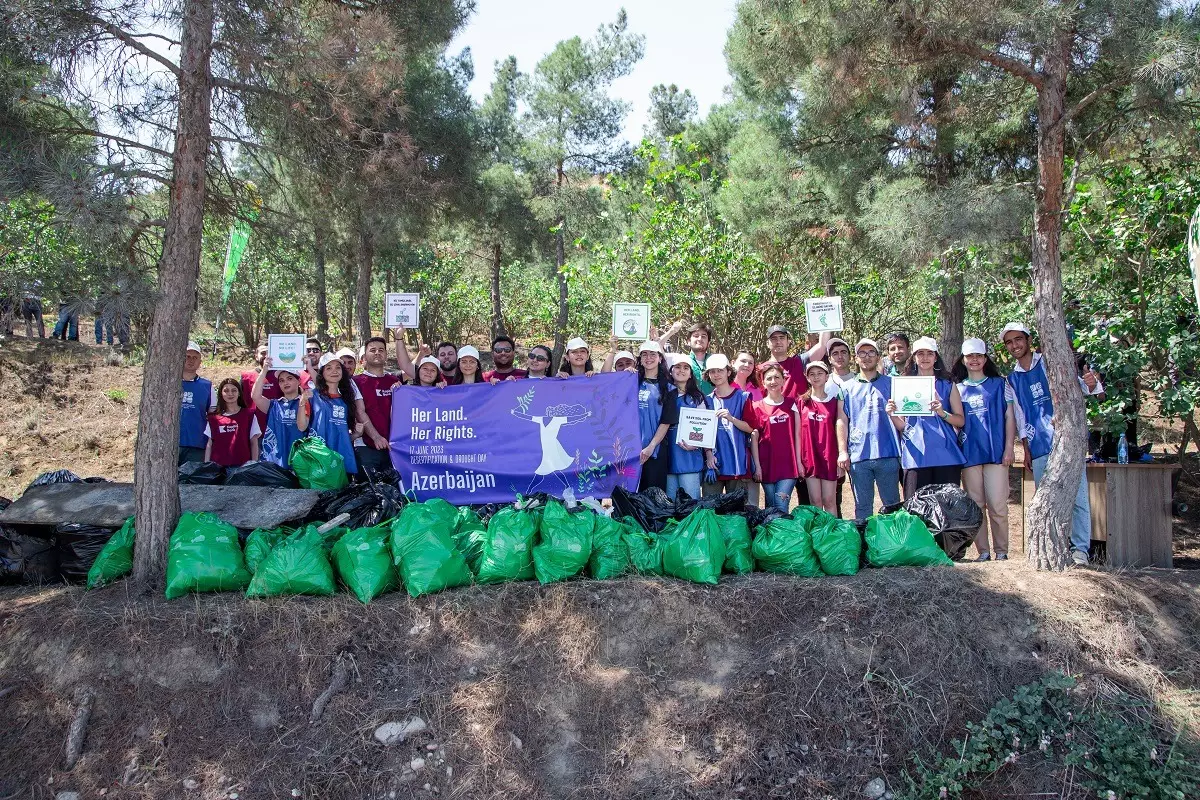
(1111, 743)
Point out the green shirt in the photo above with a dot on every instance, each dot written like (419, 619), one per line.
(698, 374)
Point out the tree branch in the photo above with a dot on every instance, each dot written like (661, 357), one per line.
(237, 86)
(82, 131)
(131, 41)
(1093, 96)
(1012, 66)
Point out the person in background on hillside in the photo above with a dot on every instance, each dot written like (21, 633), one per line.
(929, 449)
(537, 362)
(733, 432)
(688, 462)
(745, 374)
(8, 312)
(31, 309)
(67, 327)
(775, 440)
(577, 362)
(197, 400)
(287, 415)
(819, 408)
(375, 384)
(349, 360)
(1034, 411)
(232, 429)
(504, 353)
(447, 355)
(657, 412)
(867, 445)
(270, 389)
(989, 437)
(467, 359)
(899, 353)
(332, 414)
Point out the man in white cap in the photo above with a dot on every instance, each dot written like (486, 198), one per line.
(1035, 424)
(867, 445)
(348, 359)
(197, 400)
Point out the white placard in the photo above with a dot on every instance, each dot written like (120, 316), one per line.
(913, 395)
(823, 314)
(631, 321)
(402, 308)
(286, 349)
(697, 427)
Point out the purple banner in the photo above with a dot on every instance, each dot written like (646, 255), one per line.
(486, 444)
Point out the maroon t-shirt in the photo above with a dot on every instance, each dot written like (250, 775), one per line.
(818, 438)
(230, 436)
(516, 374)
(794, 384)
(377, 398)
(776, 426)
(270, 391)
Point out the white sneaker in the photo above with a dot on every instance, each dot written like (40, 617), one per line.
(1079, 557)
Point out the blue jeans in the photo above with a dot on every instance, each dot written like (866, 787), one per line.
(865, 476)
(67, 326)
(1081, 515)
(101, 328)
(688, 481)
(779, 494)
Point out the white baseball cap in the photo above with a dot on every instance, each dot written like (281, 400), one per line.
(864, 343)
(650, 347)
(193, 346)
(623, 354)
(429, 360)
(835, 340)
(974, 347)
(328, 358)
(818, 365)
(925, 343)
(578, 344)
(675, 359)
(468, 351)
(290, 370)
(346, 351)
(716, 361)
(1014, 326)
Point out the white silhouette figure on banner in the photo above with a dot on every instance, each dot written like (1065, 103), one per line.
(555, 458)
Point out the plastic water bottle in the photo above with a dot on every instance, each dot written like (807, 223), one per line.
(1122, 450)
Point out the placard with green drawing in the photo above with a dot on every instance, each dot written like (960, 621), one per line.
(823, 314)
(914, 395)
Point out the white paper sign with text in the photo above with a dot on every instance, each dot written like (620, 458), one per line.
(823, 314)
(697, 427)
(286, 349)
(402, 308)
(631, 321)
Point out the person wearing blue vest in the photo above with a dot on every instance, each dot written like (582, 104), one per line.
(1035, 425)
(657, 412)
(688, 462)
(867, 445)
(988, 440)
(733, 432)
(287, 415)
(333, 409)
(929, 449)
(197, 400)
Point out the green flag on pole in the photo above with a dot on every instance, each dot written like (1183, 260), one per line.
(239, 238)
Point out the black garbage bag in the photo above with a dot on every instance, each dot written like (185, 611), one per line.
(26, 557)
(386, 475)
(488, 510)
(77, 546)
(949, 513)
(756, 517)
(650, 508)
(261, 473)
(58, 476)
(96, 479)
(201, 473)
(368, 504)
(731, 503)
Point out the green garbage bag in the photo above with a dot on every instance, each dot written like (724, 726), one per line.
(203, 555)
(610, 553)
(784, 545)
(260, 543)
(297, 565)
(807, 515)
(508, 546)
(565, 543)
(696, 550)
(317, 466)
(468, 537)
(364, 562)
(115, 560)
(902, 540)
(423, 548)
(645, 549)
(736, 533)
(837, 544)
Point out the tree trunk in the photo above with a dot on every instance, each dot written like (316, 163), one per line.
(951, 310)
(362, 294)
(156, 452)
(321, 289)
(951, 300)
(560, 261)
(1050, 511)
(497, 315)
(830, 278)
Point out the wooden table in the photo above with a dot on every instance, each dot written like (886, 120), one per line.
(1131, 511)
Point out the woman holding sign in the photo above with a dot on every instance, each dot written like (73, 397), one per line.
(287, 415)
(818, 437)
(687, 462)
(929, 451)
(733, 432)
(657, 412)
(775, 442)
(333, 409)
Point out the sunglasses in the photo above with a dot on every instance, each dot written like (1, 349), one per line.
(536, 357)
(314, 350)
(502, 350)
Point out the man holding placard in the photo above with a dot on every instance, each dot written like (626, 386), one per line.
(779, 341)
(867, 445)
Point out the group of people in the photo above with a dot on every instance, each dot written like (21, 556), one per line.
(110, 324)
(795, 425)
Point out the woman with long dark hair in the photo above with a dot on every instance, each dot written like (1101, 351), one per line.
(656, 414)
(468, 366)
(929, 450)
(233, 430)
(577, 362)
(537, 362)
(746, 376)
(775, 441)
(687, 462)
(333, 409)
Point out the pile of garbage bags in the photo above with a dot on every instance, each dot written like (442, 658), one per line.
(432, 546)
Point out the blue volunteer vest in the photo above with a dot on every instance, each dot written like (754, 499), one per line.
(931, 441)
(1033, 393)
(871, 434)
(331, 421)
(649, 413)
(983, 435)
(281, 431)
(193, 413)
(685, 461)
(732, 445)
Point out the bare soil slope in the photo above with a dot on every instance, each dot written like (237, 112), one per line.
(761, 687)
